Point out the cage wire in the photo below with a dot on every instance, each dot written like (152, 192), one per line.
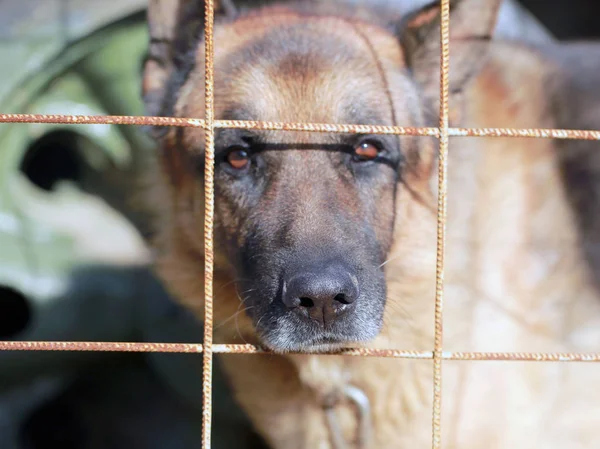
(209, 124)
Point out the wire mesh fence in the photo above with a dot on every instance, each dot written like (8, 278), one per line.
(210, 124)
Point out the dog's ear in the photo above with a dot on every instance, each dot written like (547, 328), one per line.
(175, 28)
(472, 23)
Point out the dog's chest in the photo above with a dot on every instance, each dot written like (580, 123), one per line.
(516, 282)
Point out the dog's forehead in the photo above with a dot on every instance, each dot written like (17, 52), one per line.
(319, 71)
(284, 66)
(232, 36)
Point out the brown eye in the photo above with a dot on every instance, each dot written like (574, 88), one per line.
(366, 152)
(238, 158)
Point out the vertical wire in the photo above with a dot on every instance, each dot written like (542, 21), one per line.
(209, 175)
(441, 222)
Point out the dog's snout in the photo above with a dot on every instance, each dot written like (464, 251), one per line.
(322, 295)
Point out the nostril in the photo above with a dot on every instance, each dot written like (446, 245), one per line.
(307, 302)
(320, 293)
(343, 299)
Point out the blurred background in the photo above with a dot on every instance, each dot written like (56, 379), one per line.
(73, 262)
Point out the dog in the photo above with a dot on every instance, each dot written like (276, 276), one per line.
(328, 241)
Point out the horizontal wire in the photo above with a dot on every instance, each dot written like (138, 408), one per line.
(538, 133)
(101, 120)
(77, 346)
(95, 346)
(535, 133)
(328, 128)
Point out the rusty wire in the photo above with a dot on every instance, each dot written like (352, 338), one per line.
(85, 346)
(534, 133)
(441, 223)
(191, 348)
(443, 133)
(209, 214)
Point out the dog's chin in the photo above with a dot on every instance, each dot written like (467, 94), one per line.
(322, 344)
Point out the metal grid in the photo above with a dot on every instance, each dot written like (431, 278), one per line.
(209, 124)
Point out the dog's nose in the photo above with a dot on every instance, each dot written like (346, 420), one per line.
(322, 295)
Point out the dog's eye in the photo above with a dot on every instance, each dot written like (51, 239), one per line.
(238, 158)
(366, 151)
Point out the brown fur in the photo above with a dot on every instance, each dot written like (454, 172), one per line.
(516, 278)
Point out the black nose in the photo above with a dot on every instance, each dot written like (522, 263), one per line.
(322, 295)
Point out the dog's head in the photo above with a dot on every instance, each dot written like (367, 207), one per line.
(304, 221)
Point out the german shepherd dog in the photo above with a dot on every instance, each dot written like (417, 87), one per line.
(327, 241)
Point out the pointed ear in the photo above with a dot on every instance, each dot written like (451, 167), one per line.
(175, 28)
(472, 23)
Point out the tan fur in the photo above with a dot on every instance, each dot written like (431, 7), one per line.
(515, 279)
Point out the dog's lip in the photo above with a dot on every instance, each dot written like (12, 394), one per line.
(328, 347)
(321, 344)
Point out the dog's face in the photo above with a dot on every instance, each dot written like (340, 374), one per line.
(304, 221)
(307, 219)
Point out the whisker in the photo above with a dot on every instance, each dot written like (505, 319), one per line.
(259, 320)
(237, 324)
(391, 259)
(222, 323)
(247, 291)
(233, 281)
